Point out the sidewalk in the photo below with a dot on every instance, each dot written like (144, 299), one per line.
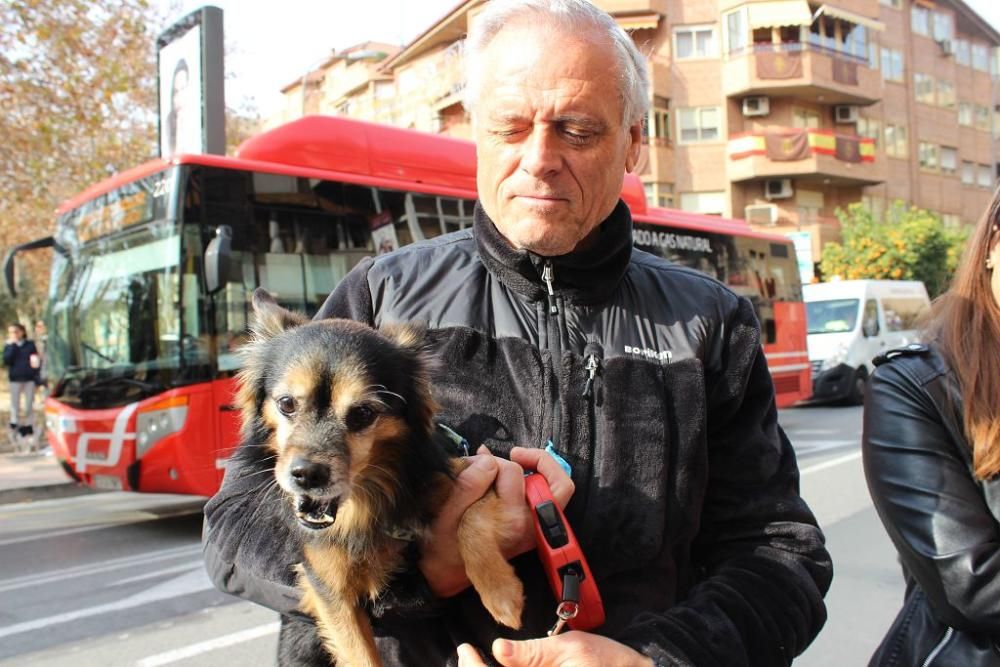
(27, 477)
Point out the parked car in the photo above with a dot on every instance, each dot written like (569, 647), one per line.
(852, 321)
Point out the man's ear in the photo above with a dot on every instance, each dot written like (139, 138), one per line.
(634, 147)
(270, 319)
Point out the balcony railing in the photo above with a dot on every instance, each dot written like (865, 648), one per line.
(799, 47)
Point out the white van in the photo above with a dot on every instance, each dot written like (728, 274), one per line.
(852, 321)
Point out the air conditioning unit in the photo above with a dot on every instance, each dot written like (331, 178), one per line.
(757, 105)
(845, 113)
(761, 214)
(947, 47)
(778, 188)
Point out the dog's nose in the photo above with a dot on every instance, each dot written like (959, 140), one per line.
(309, 475)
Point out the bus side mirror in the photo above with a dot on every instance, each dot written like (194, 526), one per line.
(9, 277)
(218, 256)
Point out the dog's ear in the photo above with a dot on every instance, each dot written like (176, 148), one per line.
(270, 319)
(407, 335)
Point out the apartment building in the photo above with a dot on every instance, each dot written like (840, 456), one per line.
(808, 106)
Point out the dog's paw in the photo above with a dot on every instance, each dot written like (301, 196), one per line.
(505, 601)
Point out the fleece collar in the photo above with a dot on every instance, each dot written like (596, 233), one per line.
(585, 276)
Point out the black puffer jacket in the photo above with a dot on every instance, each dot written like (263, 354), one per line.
(17, 359)
(686, 500)
(944, 522)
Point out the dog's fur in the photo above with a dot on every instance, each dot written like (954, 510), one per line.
(346, 412)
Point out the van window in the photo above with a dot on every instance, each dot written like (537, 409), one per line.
(902, 313)
(870, 322)
(832, 316)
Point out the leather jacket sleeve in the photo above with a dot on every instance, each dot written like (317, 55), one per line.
(918, 467)
(765, 567)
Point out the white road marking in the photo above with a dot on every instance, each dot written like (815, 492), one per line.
(130, 519)
(831, 463)
(97, 568)
(188, 584)
(192, 650)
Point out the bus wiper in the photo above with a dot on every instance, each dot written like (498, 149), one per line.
(97, 352)
(148, 387)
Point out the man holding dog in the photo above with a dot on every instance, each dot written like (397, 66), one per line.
(684, 490)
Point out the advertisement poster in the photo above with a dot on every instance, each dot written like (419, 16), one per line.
(383, 233)
(181, 95)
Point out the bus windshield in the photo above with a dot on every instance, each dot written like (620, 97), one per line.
(117, 325)
(833, 316)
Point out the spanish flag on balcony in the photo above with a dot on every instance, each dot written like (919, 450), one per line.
(786, 144)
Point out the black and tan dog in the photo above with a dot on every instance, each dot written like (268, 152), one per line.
(348, 416)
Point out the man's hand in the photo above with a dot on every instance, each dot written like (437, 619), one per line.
(440, 562)
(570, 649)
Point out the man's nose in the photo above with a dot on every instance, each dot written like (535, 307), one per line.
(541, 155)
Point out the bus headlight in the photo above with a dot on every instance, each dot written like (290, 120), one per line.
(157, 421)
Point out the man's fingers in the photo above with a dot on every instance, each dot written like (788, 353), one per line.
(469, 656)
(510, 482)
(541, 461)
(529, 653)
(471, 484)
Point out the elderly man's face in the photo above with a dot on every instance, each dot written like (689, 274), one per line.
(552, 148)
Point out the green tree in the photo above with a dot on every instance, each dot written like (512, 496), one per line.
(908, 244)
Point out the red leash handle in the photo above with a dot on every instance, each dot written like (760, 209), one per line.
(562, 557)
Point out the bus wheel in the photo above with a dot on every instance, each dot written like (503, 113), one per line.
(856, 395)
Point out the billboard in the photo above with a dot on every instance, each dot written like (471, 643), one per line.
(190, 74)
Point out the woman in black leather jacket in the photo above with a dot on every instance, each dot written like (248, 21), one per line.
(932, 457)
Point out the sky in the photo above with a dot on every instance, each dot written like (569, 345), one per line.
(269, 48)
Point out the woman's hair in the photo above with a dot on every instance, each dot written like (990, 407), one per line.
(573, 16)
(965, 324)
(20, 327)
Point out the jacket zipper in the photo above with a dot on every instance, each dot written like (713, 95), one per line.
(555, 348)
(940, 647)
(592, 364)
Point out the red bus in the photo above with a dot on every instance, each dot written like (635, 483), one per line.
(152, 271)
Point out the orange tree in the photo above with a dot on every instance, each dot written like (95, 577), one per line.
(908, 244)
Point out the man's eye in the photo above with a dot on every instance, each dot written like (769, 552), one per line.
(578, 136)
(286, 405)
(360, 417)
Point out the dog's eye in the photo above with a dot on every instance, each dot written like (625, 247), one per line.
(286, 405)
(359, 417)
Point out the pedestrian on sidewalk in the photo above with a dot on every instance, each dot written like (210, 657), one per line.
(932, 458)
(23, 362)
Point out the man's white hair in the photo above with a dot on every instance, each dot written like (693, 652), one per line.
(574, 17)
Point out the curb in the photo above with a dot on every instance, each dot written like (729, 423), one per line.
(44, 492)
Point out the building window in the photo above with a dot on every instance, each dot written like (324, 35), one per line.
(696, 124)
(712, 203)
(737, 32)
(962, 53)
(951, 220)
(892, 65)
(965, 114)
(946, 94)
(928, 156)
(985, 176)
(923, 88)
(895, 4)
(662, 194)
(870, 129)
(968, 173)
(658, 124)
(981, 57)
(807, 118)
(692, 42)
(982, 118)
(944, 27)
(920, 20)
(949, 160)
(896, 142)
(855, 40)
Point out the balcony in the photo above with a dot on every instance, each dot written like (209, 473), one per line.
(801, 69)
(619, 7)
(819, 155)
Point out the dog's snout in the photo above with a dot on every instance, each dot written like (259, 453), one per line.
(309, 475)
